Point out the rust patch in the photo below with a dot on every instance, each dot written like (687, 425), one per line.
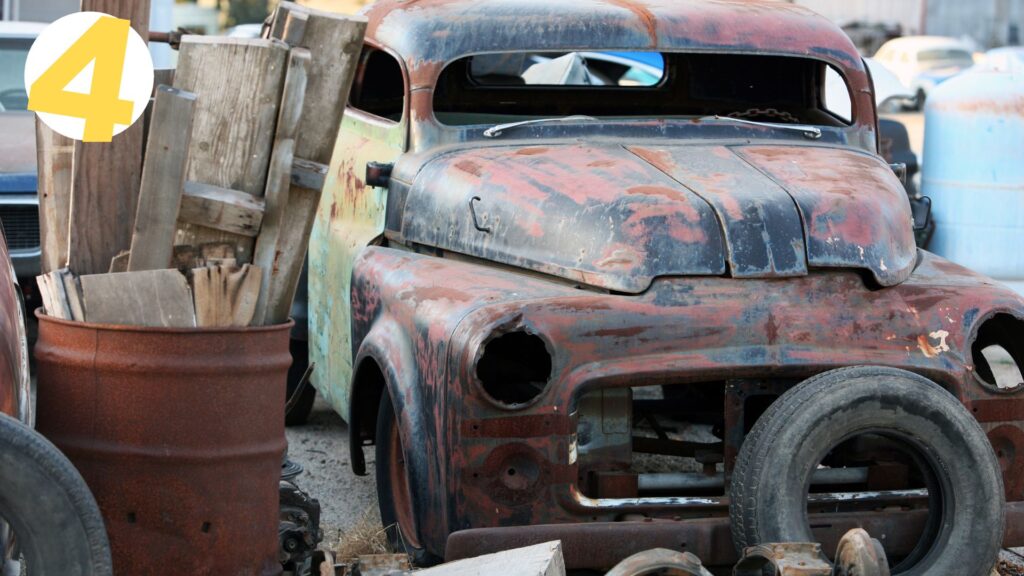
(647, 18)
(663, 191)
(531, 151)
(469, 167)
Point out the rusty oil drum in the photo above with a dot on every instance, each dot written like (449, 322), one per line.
(180, 435)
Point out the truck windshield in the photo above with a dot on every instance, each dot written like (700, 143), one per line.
(13, 52)
(504, 88)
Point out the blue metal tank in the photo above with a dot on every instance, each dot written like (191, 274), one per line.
(974, 170)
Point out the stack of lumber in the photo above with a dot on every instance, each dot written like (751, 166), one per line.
(233, 168)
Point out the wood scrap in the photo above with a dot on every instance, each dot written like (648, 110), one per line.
(163, 178)
(238, 84)
(119, 263)
(157, 298)
(221, 209)
(226, 296)
(538, 560)
(51, 290)
(72, 294)
(55, 159)
(279, 176)
(335, 43)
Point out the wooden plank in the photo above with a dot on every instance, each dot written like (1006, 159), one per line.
(163, 177)
(308, 174)
(279, 176)
(55, 160)
(51, 290)
(226, 296)
(538, 560)
(335, 42)
(291, 252)
(106, 175)
(238, 84)
(119, 263)
(73, 294)
(221, 209)
(159, 298)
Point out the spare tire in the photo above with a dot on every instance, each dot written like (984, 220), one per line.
(772, 477)
(56, 522)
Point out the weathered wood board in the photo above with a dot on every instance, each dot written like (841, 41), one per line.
(54, 161)
(163, 178)
(226, 296)
(159, 298)
(221, 209)
(238, 84)
(106, 175)
(538, 560)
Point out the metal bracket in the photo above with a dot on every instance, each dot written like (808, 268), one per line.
(476, 220)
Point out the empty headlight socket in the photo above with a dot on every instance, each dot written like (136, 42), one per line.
(1001, 334)
(513, 368)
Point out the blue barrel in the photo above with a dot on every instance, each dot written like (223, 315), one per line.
(974, 170)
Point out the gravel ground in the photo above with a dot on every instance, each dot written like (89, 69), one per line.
(321, 446)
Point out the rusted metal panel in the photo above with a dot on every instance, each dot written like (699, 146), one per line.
(660, 561)
(591, 214)
(350, 217)
(761, 224)
(681, 330)
(179, 434)
(14, 377)
(855, 211)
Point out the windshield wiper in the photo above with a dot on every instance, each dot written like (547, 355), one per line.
(495, 131)
(811, 132)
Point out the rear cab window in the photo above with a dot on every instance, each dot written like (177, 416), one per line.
(511, 87)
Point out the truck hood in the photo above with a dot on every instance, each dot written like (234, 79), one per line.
(616, 217)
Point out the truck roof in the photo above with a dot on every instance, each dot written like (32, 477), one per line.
(430, 33)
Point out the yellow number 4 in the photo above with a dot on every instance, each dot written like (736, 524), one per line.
(104, 43)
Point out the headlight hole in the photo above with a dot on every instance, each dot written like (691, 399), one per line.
(998, 353)
(514, 368)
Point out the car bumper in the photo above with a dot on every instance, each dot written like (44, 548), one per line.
(600, 545)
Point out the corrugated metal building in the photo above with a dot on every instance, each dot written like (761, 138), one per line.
(990, 23)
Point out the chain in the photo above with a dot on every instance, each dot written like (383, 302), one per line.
(770, 112)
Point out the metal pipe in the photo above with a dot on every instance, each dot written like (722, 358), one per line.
(699, 481)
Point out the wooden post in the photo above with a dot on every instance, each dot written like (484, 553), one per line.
(54, 160)
(106, 175)
(163, 178)
(238, 85)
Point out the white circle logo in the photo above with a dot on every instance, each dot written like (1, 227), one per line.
(89, 76)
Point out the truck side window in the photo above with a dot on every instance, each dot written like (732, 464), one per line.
(379, 85)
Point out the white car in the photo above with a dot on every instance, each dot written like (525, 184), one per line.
(924, 62)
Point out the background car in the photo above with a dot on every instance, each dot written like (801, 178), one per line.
(924, 62)
(19, 202)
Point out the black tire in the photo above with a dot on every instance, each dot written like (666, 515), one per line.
(299, 414)
(55, 519)
(768, 494)
(401, 538)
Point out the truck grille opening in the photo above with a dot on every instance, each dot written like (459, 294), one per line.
(21, 226)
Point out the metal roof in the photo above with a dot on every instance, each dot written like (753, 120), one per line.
(430, 33)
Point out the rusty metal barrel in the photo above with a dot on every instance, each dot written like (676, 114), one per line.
(180, 435)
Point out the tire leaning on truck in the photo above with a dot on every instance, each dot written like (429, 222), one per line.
(54, 516)
(768, 493)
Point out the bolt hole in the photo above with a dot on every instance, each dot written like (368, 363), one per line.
(131, 517)
(206, 528)
(511, 471)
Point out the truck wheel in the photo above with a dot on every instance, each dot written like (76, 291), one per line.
(54, 517)
(853, 415)
(394, 497)
(299, 414)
